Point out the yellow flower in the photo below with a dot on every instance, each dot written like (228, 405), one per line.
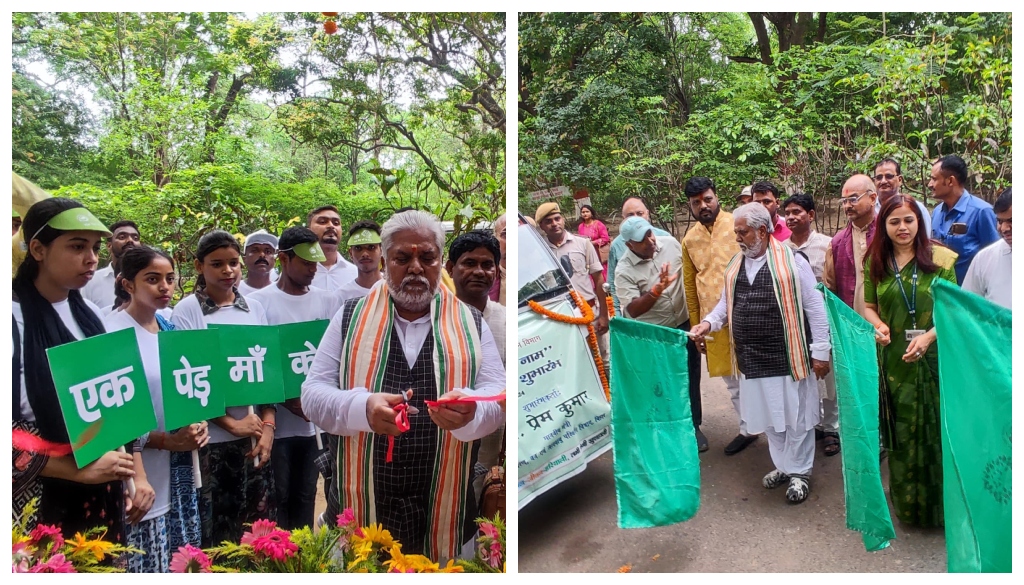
(451, 567)
(375, 533)
(398, 562)
(99, 548)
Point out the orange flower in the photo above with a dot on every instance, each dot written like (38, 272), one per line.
(588, 320)
(330, 27)
(98, 548)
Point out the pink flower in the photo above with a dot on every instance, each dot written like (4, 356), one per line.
(56, 564)
(494, 559)
(346, 518)
(43, 535)
(490, 530)
(259, 528)
(190, 559)
(22, 556)
(276, 546)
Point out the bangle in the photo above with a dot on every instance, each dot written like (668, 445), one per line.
(655, 292)
(267, 423)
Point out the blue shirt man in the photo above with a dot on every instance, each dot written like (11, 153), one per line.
(632, 206)
(963, 222)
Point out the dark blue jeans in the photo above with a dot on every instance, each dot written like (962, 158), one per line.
(295, 475)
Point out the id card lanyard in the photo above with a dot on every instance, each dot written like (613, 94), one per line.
(912, 301)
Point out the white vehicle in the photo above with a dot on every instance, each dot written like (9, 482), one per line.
(564, 416)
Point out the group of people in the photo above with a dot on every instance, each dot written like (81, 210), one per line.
(750, 278)
(398, 335)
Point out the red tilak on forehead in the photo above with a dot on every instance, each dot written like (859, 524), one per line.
(415, 248)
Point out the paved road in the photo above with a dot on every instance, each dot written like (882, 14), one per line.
(740, 526)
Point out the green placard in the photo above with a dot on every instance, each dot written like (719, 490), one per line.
(251, 357)
(103, 393)
(192, 375)
(298, 346)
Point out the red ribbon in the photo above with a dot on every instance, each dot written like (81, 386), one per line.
(26, 441)
(402, 421)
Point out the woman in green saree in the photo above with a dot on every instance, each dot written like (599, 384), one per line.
(900, 308)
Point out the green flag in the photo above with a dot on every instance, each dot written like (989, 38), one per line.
(657, 469)
(855, 361)
(192, 377)
(251, 362)
(103, 393)
(298, 346)
(975, 338)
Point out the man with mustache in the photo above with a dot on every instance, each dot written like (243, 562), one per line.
(258, 256)
(888, 181)
(707, 248)
(364, 249)
(585, 264)
(401, 463)
(100, 290)
(292, 300)
(649, 289)
(632, 206)
(335, 271)
(473, 260)
(844, 259)
(962, 222)
(768, 318)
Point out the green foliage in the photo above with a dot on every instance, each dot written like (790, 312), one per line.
(932, 84)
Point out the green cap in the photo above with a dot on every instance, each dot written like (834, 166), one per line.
(366, 236)
(15, 213)
(310, 251)
(75, 219)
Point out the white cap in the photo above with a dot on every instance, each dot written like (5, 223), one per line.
(260, 237)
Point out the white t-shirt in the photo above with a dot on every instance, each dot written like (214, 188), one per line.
(157, 462)
(283, 308)
(331, 279)
(63, 309)
(354, 290)
(100, 288)
(188, 315)
(990, 274)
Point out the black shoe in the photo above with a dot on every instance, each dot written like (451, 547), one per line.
(702, 441)
(739, 443)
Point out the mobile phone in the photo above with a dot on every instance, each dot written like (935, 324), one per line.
(958, 229)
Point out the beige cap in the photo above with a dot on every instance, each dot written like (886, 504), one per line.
(545, 210)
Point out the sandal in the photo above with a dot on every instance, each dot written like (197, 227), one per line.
(832, 444)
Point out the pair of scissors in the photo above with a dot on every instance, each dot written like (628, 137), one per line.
(403, 410)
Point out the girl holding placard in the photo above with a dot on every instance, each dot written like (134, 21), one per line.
(235, 490)
(165, 513)
(62, 244)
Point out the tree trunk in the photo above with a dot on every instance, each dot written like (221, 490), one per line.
(764, 42)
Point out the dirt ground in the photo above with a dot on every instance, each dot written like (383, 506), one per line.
(740, 526)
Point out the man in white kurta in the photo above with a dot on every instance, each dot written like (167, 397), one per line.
(768, 301)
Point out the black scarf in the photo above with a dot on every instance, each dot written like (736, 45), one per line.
(44, 329)
(72, 507)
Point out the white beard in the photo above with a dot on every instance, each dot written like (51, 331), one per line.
(409, 301)
(754, 251)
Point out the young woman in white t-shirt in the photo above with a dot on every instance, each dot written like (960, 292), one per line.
(63, 241)
(235, 491)
(165, 514)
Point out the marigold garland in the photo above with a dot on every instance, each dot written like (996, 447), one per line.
(588, 320)
(611, 306)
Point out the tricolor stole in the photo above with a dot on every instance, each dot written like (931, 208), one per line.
(786, 283)
(457, 356)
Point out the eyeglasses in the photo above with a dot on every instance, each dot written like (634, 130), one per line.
(853, 199)
(886, 176)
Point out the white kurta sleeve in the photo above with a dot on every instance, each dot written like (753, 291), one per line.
(489, 382)
(814, 310)
(324, 402)
(718, 316)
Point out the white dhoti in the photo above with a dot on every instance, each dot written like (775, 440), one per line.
(786, 412)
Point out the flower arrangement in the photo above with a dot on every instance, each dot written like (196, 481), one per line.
(588, 320)
(342, 548)
(44, 550)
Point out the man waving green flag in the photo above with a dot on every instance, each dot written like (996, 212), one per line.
(856, 366)
(975, 337)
